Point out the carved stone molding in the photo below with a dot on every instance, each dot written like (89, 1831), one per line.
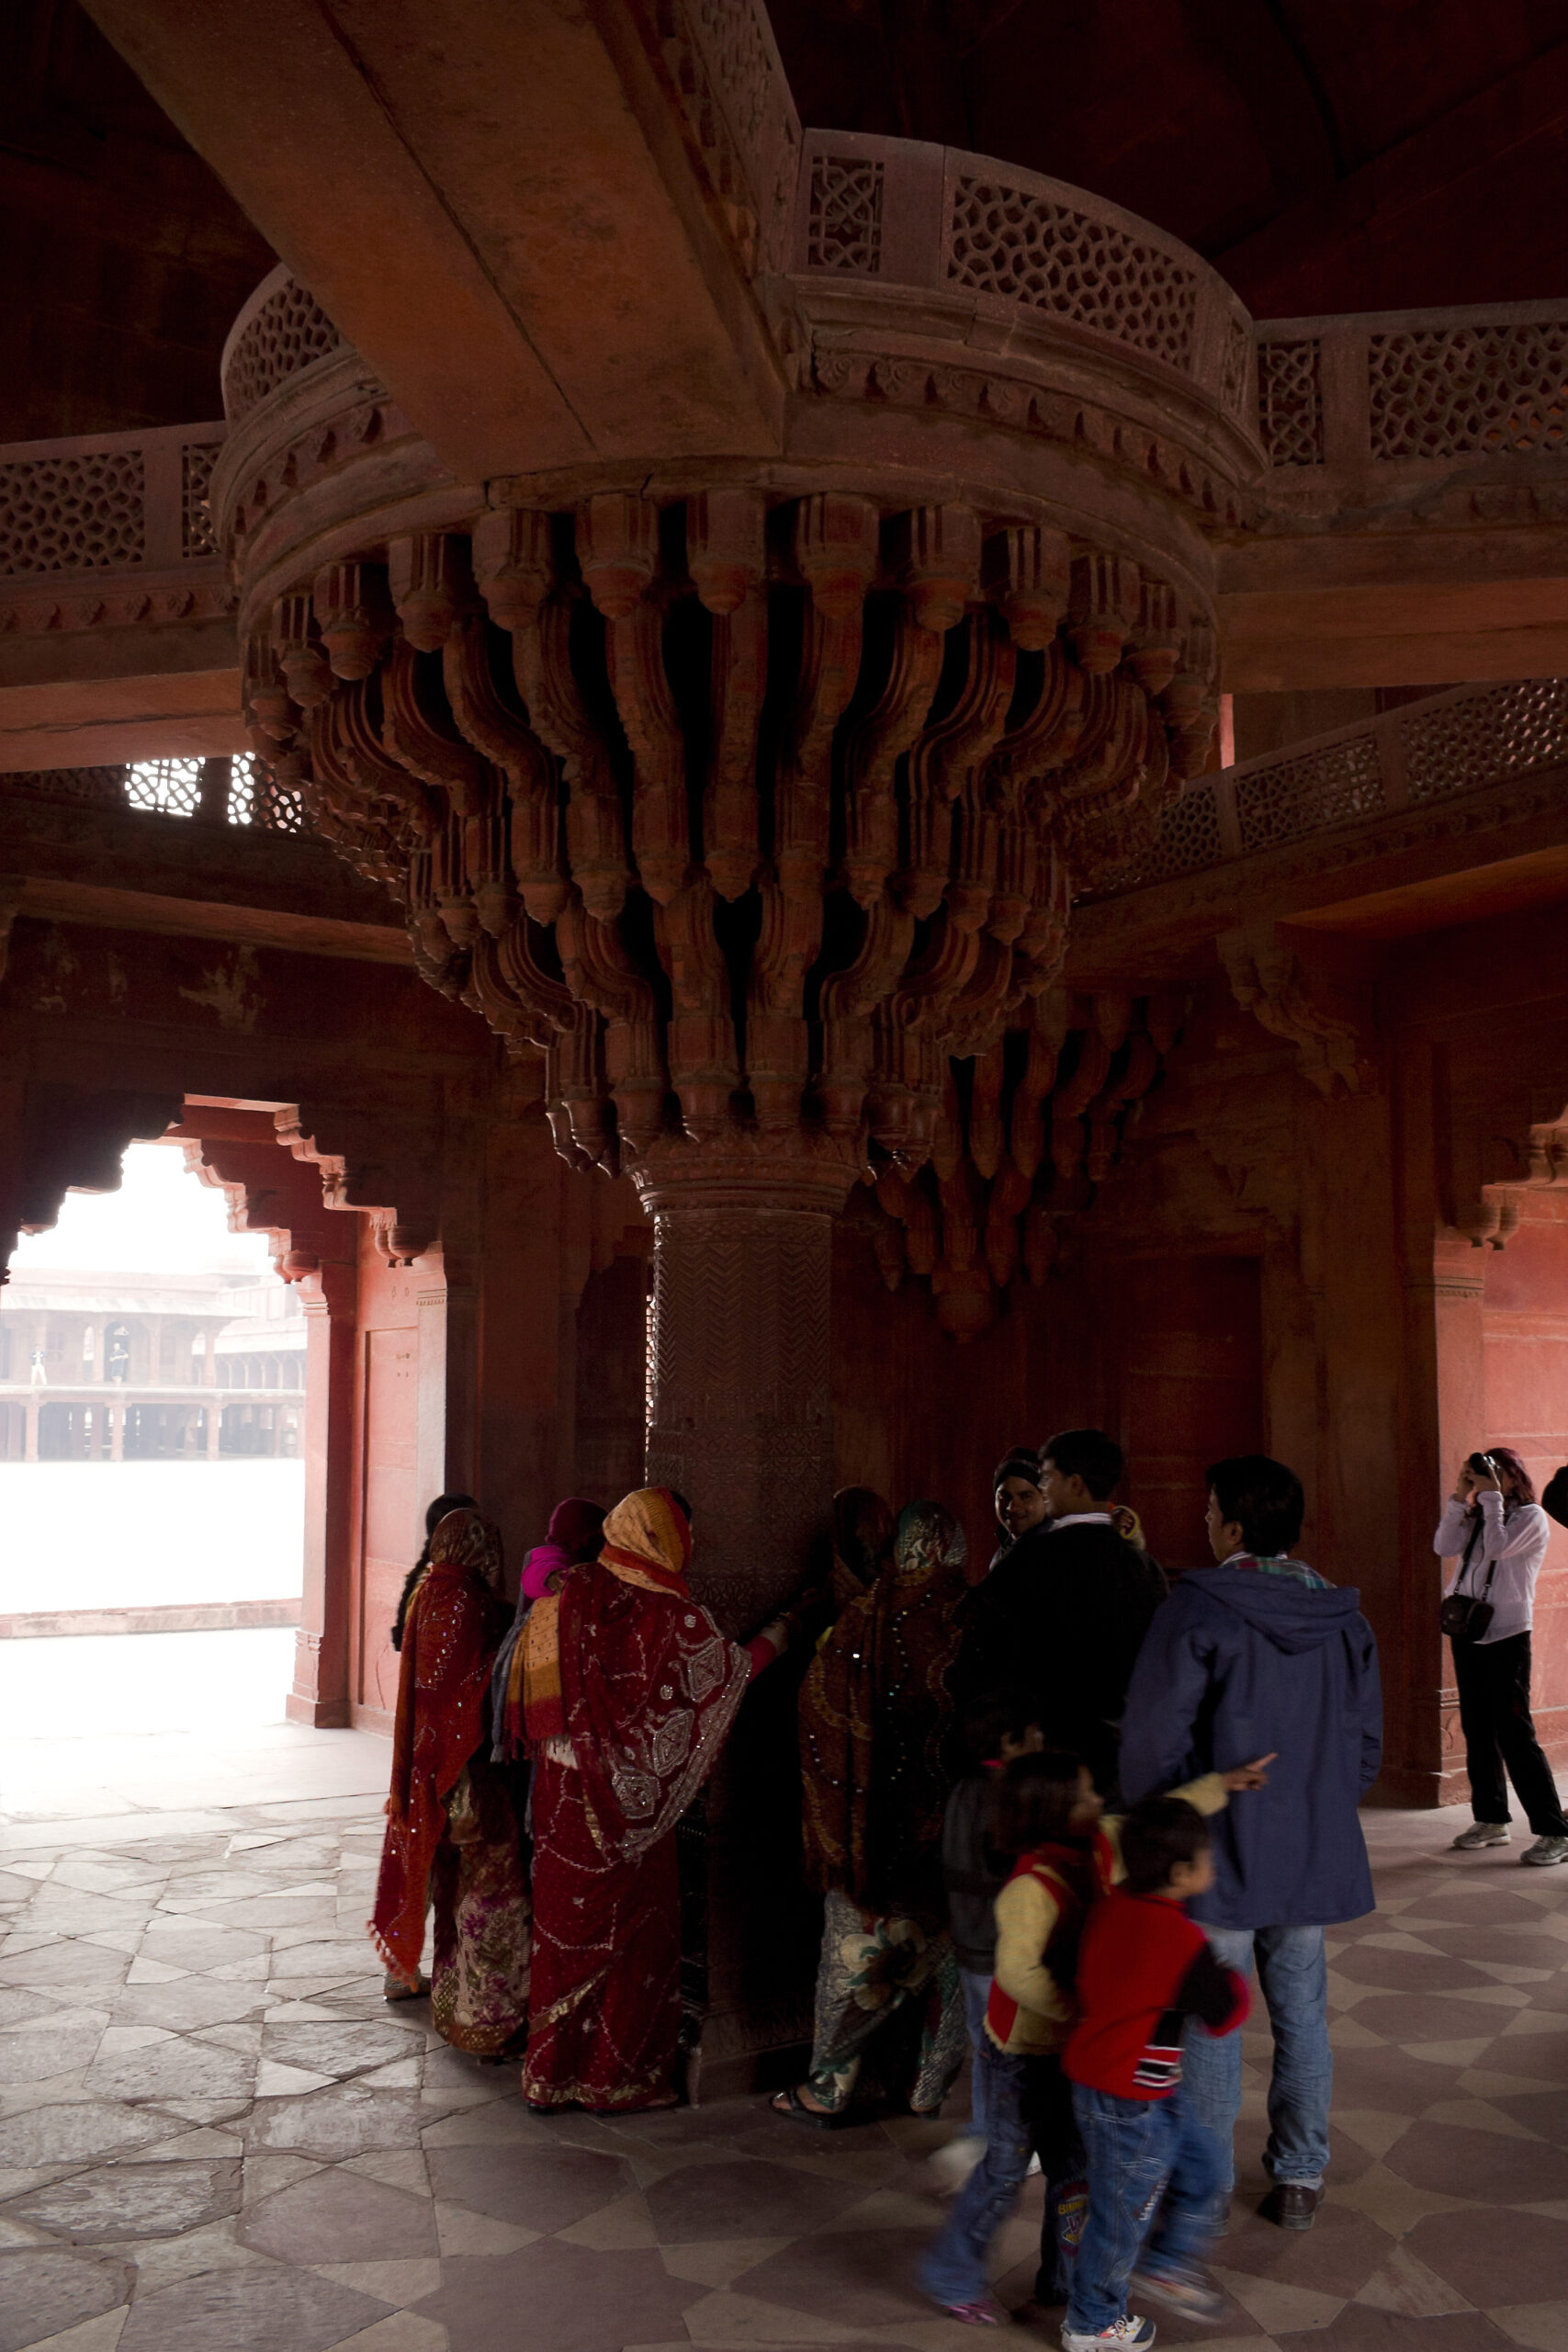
(1266, 981)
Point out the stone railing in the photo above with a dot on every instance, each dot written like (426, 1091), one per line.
(109, 527)
(280, 330)
(1408, 758)
(241, 791)
(1007, 244)
(1359, 394)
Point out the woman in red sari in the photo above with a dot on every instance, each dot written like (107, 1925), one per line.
(629, 1691)
(453, 1839)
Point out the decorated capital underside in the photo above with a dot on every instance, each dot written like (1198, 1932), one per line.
(749, 819)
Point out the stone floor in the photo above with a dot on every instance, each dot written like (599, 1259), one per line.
(215, 2137)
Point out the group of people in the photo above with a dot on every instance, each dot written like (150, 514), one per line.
(1015, 1806)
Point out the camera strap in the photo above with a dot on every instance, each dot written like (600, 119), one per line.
(1475, 1533)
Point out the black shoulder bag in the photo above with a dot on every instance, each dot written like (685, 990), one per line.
(1467, 1615)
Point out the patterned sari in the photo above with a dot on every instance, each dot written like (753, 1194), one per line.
(629, 1690)
(453, 1837)
(875, 1716)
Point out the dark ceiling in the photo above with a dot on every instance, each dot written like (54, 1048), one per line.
(1327, 154)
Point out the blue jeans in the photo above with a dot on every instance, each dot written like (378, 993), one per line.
(1154, 2171)
(976, 1993)
(1293, 1968)
(1029, 2103)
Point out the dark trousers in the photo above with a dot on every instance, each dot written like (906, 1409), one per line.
(1493, 1680)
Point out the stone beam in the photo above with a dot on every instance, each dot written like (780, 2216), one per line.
(502, 206)
(125, 869)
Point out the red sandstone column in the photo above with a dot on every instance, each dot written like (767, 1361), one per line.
(320, 1695)
(29, 1423)
(738, 1407)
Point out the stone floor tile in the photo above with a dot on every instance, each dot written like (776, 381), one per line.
(67, 1964)
(462, 2231)
(1373, 2129)
(743, 2199)
(1359, 2328)
(339, 2046)
(185, 2068)
(1278, 2308)
(398, 2167)
(274, 2081)
(45, 2292)
(721, 2263)
(401, 2332)
(1404, 2283)
(100, 2335)
(80, 2132)
(399, 2283)
(1459, 2160)
(34, 2053)
(725, 2318)
(163, 2262)
(854, 2278)
(254, 2310)
(344, 2120)
(1479, 2115)
(340, 2217)
(1494, 2259)
(402, 2074)
(625, 2222)
(576, 2300)
(544, 2189)
(134, 2200)
(1336, 2257)
(491, 2126)
(206, 2140)
(19, 2006)
(1544, 2326)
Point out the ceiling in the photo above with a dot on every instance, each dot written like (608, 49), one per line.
(1327, 154)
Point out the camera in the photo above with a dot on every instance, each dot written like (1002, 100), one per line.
(1482, 1466)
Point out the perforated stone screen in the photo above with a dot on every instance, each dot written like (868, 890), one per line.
(171, 786)
(1030, 248)
(255, 798)
(197, 461)
(1498, 733)
(79, 513)
(845, 226)
(290, 330)
(1458, 392)
(1291, 797)
(1289, 401)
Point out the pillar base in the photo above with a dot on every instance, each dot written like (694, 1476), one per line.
(316, 1714)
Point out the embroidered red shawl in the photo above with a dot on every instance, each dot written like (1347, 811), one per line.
(650, 1686)
(450, 1636)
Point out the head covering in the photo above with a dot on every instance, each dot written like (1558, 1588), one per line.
(874, 1711)
(1023, 1462)
(435, 1514)
(574, 1534)
(450, 1636)
(647, 1540)
(863, 1540)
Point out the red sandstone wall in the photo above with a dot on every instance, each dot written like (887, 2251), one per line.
(1525, 1320)
(386, 1529)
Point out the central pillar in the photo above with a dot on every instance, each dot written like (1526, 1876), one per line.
(321, 1693)
(738, 1416)
(739, 1422)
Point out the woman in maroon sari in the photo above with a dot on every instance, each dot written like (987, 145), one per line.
(453, 1839)
(629, 1690)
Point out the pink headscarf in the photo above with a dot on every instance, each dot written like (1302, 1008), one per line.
(573, 1535)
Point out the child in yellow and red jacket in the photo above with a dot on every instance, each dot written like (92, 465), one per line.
(1046, 1812)
(1155, 2170)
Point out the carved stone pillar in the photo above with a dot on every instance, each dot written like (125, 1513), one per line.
(320, 1695)
(739, 1416)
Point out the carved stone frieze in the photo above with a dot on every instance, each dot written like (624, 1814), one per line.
(1266, 981)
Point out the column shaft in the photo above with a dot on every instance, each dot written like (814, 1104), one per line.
(320, 1694)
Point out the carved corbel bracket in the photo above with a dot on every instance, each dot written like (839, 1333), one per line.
(1267, 980)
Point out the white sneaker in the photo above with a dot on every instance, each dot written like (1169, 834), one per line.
(1481, 1833)
(1545, 1851)
(1130, 2329)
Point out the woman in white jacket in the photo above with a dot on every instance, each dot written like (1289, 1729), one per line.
(1498, 1532)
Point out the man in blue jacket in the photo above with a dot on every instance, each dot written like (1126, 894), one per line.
(1260, 1654)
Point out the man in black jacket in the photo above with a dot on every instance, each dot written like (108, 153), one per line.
(1060, 1619)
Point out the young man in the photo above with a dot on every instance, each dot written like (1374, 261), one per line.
(1058, 1621)
(1259, 1651)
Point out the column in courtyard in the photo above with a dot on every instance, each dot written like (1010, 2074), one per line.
(751, 793)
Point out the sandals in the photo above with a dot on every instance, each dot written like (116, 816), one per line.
(794, 2111)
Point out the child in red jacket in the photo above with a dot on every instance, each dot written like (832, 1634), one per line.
(1144, 1969)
